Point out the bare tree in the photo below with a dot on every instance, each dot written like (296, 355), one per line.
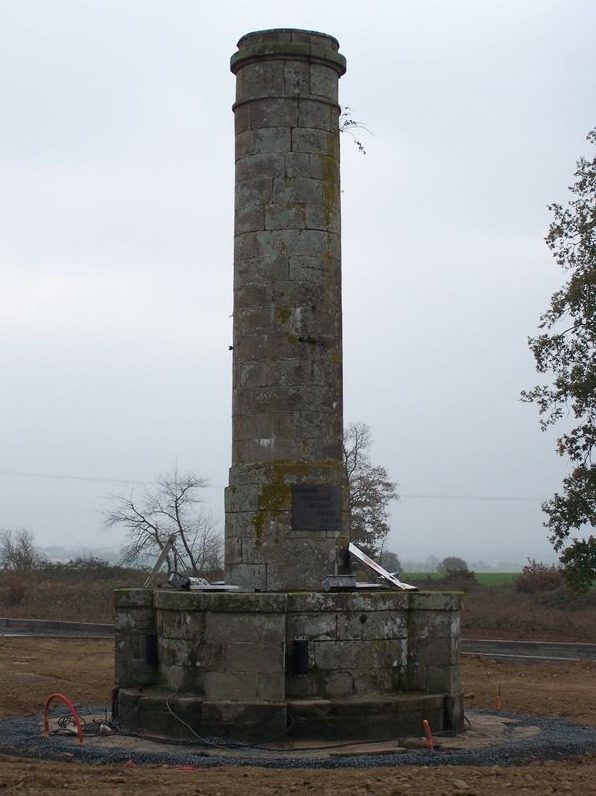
(370, 490)
(171, 510)
(18, 551)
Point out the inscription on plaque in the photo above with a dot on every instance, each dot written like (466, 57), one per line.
(316, 508)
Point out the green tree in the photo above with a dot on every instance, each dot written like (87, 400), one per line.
(390, 561)
(172, 508)
(370, 491)
(452, 565)
(566, 352)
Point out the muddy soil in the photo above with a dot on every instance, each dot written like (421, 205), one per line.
(32, 669)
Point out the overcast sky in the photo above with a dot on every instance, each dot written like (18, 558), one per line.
(116, 223)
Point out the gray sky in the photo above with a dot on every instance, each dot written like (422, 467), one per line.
(116, 220)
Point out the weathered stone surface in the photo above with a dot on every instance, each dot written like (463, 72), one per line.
(250, 721)
(133, 598)
(314, 626)
(357, 647)
(370, 625)
(323, 81)
(259, 628)
(219, 602)
(287, 211)
(444, 679)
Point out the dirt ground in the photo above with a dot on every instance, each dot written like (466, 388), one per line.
(32, 669)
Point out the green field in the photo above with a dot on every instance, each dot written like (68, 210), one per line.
(483, 578)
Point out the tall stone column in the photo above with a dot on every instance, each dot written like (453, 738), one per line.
(286, 499)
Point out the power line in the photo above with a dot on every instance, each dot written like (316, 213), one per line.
(61, 477)
(417, 496)
(474, 497)
(91, 478)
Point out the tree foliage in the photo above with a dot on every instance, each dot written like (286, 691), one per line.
(452, 565)
(18, 551)
(172, 509)
(390, 561)
(370, 491)
(566, 352)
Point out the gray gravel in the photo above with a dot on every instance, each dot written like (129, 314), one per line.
(556, 739)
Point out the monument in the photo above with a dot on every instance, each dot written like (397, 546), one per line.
(286, 500)
(297, 651)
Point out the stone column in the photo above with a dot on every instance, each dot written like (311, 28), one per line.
(286, 500)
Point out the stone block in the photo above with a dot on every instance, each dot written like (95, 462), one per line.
(304, 268)
(370, 625)
(384, 680)
(302, 687)
(323, 82)
(313, 626)
(288, 216)
(339, 684)
(257, 191)
(343, 655)
(183, 678)
(134, 672)
(265, 79)
(269, 243)
(135, 620)
(444, 679)
(324, 167)
(232, 686)
(311, 242)
(298, 164)
(439, 651)
(245, 245)
(261, 628)
(271, 687)
(223, 602)
(260, 166)
(326, 217)
(274, 112)
(436, 601)
(257, 270)
(253, 722)
(241, 498)
(249, 575)
(313, 141)
(271, 139)
(297, 78)
(432, 624)
(302, 190)
(187, 625)
(133, 598)
(213, 655)
(177, 651)
(159, 713)
(241, 119)
(250, 218)
(243, 145)
(387, 716)
(317, 114)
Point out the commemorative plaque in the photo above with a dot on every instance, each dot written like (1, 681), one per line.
(316, 508)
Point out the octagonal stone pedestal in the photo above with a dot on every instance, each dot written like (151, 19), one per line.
(288, 666)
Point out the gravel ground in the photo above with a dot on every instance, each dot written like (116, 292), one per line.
(525, 739)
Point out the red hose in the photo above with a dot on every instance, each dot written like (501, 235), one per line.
(68, 703)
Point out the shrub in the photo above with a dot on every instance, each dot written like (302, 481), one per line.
(13, 590)
(538, 577)
(460, 580)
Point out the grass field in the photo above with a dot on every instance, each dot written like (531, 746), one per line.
(483, 578)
